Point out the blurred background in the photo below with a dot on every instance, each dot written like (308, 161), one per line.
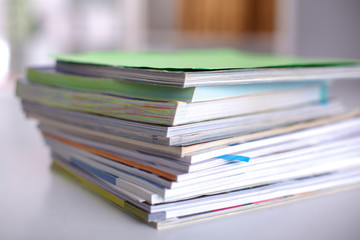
(30, 30)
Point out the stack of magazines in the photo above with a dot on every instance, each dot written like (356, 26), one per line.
(178, 137)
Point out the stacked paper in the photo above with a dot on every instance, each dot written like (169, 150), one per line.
(183, 136)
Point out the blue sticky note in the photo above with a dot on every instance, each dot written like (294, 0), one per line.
(233, 144)
(234, 157)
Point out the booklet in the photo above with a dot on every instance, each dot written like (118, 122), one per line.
(170, 113)
(203, 67)
(189, 133)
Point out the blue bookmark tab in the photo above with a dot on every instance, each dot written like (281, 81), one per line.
(234, 157)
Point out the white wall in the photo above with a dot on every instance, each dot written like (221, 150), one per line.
(319, 28)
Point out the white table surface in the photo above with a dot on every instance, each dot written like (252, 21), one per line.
(37, 203)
